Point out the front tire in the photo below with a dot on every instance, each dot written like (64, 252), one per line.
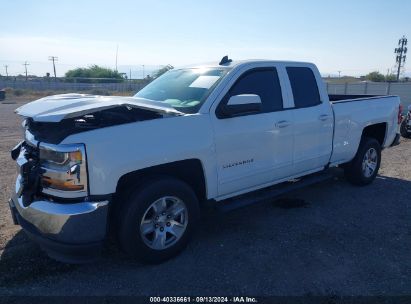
(363, 169)
(157, 220)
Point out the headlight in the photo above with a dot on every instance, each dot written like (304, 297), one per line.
(65, 170)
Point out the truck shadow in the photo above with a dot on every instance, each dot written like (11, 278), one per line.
(317, 214)
(22, 260)
(315, 197)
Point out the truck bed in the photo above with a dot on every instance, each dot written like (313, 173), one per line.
(353, 113)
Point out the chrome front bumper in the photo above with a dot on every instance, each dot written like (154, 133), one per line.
(59, 225)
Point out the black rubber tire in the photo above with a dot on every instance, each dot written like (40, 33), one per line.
(135, 206)
(403, 130)
(353, 170)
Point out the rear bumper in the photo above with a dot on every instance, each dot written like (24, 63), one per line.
(72, 233)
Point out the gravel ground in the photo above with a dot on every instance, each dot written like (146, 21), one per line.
(343, 240)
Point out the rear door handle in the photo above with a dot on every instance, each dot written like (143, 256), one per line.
(324, 117)
(282, 124)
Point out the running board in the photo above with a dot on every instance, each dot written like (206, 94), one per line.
(272, 192)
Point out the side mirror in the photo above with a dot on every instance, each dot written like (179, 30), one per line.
(243, 104)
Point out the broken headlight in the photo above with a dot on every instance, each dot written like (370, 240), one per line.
(65, 170)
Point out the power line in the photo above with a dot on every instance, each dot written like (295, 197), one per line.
(25, 67)
(54, 59)
(400, 55)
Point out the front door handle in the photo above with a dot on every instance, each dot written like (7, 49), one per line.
(282, 124)
(324, 117)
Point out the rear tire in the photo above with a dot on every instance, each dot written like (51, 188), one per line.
(157, 220)
(363, 169)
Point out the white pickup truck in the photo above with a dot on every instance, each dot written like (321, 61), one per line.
(142, 167)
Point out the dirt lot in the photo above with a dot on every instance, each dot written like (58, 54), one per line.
(345, 241)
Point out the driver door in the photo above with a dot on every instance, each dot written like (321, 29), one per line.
(254, 149)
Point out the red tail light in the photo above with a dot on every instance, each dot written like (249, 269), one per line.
(400, 114)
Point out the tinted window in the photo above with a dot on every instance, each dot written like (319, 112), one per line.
(304, 86)
(262, 82)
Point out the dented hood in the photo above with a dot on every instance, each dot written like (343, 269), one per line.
(58, 107)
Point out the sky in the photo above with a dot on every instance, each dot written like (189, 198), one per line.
(351, 36)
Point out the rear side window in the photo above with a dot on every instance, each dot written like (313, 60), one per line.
(262, 82)
(304, 86)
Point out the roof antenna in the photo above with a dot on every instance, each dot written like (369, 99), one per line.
(225, 60)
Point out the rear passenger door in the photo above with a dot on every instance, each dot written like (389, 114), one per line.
(313, 121)
(253, 149)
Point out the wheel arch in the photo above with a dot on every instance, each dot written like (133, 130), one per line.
(190, 171)
(377, 131)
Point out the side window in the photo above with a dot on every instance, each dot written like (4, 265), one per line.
(262, 82)
(304, 87)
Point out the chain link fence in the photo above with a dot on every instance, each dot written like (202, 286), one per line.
(72, 86)
(403, 90)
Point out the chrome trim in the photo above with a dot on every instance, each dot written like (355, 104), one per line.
(63, 193)
(69, 223)
(62, 148)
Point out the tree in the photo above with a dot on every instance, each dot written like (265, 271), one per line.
(163, 70)
(94, 71)
(391, 78)
(375, 76)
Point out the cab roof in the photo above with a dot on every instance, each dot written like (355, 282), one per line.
(235, 63)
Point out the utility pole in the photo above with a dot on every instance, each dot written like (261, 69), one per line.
(7, 74)
(25, 67)
(130, 75)
(54, 58)
(143, 71)
(116, 57)
(400, 55)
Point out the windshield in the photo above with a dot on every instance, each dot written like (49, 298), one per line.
(185, 89)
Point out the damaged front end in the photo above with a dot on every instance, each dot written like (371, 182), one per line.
(55, 132)
(29, 171)
(52, 200)
(47, 167)
(53, 118)
(57, 170)
(47, 171)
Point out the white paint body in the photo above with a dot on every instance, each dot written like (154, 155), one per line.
(282, 145)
